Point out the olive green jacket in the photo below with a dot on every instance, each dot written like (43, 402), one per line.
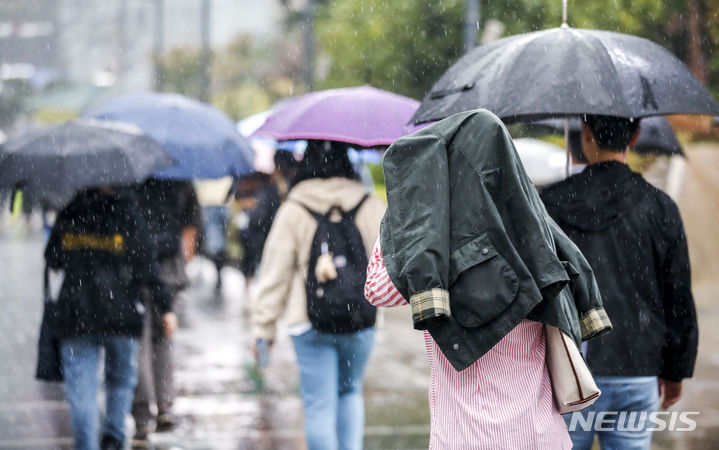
(466, 238)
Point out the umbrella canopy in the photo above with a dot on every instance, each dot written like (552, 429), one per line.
(204, 141)
(55, 162)
(250, 124)
(362, 116)
(567, 72)
(656, 135)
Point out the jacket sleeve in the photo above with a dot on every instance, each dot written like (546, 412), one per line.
(277, 272)
(416, 225)
(593, 319)
(680, 348)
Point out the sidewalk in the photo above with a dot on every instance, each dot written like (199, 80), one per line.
(219, 406)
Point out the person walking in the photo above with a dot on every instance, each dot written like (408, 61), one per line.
(466, 242)
(213, 197)
(633, 236)
(100, 242)
(331, 360)
(174, 219)
(267, 200)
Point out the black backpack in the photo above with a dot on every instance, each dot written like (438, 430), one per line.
(339, 305)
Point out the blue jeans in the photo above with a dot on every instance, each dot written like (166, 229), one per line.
(618, 394)
(331, 370)
(80, 363)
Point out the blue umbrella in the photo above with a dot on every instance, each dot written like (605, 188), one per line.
(204, 142)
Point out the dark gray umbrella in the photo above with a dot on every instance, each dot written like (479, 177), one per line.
(656, 135)
(567, 72)
(55, 162)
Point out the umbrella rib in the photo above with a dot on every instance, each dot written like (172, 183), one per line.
(515, 63)
(614, 70)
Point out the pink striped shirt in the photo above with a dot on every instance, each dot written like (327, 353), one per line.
(502, 401)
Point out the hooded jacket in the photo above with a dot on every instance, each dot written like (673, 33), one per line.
(101, 242)
(633, 237)
(467, 240)
(285, 258)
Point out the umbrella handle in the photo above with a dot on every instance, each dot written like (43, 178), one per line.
(566, 144)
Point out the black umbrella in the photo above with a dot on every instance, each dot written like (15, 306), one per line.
(656, 135)
(55, 162)
(567, 72)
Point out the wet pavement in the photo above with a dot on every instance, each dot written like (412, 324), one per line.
(222, 402)
(222, 405)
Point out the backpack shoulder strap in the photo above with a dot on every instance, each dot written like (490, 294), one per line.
(353, 212)
(316, 215)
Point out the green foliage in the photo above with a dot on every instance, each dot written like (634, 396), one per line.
(246, 77)
(181, 71)
(401, 46)
(242, 100)
(405, 45)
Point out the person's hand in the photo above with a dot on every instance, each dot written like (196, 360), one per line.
(189, 243)
(256, 350)
(169, 321)
(670, 392)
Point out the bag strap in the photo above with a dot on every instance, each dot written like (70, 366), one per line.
(317, 216)
(353, 212)
(350, 214)
(46, 284)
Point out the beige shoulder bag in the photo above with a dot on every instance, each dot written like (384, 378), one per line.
(572, 383)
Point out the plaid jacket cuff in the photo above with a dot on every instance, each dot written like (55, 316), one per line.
(594, 322)
(428, 306)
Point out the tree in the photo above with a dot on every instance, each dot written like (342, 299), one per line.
(246, 77)
(401, 46)
(405, 45)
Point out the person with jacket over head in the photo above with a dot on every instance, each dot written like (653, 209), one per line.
(633, 236)
(466, 242)
(331, 364)
(100, 242)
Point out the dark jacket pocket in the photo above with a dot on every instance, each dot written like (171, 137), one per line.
(482, 283)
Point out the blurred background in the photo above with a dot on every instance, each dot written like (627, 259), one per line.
(60, 57)
(57, 57)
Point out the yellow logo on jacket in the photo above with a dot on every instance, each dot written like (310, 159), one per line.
(113, 243)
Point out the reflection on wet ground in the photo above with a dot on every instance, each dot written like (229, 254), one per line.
(221, 403)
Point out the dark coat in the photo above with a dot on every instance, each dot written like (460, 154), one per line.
(169, 207)
(260, 219)
(464, 222)
(102, 244)
(633, 237)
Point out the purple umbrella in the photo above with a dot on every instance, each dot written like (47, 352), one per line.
(363, 116)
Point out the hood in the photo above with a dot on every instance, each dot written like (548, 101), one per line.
(594, 199)
(320, 194)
